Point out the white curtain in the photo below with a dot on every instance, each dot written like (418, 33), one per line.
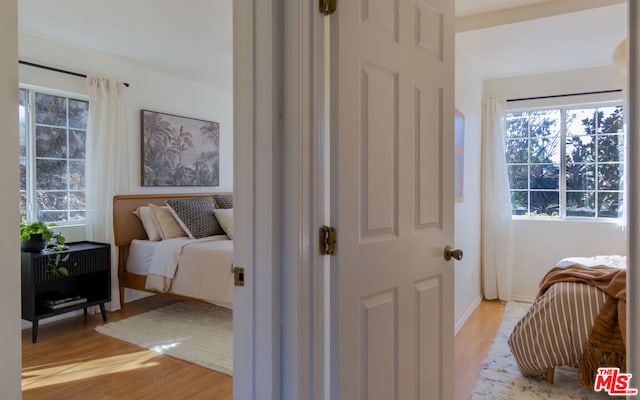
(107, 165)
(497, 232)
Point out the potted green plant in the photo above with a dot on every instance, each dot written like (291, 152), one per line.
(36, 235)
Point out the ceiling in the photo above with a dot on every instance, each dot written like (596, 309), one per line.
(194, 41)
(191, 39)
(558, 43)
(468, 7)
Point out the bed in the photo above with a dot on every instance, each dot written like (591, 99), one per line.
(191, 264)
(558, 329)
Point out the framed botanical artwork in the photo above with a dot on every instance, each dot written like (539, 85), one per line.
(179, 151)
(459, 156)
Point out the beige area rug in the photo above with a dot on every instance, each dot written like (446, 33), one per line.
(198, 333)
(500, 378)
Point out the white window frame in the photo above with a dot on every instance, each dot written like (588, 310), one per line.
(563, 107)
(30, 156)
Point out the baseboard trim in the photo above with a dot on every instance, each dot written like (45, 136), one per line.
(467, 314)
(523, 299)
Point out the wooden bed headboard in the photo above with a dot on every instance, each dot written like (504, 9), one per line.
(127, 226)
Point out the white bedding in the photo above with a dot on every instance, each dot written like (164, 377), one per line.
(139, 258)
(614, 261)
(196, 268)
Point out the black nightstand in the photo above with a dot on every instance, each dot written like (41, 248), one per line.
(89, 278)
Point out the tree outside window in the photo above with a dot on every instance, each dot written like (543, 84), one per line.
(52, 133)
(566, 162)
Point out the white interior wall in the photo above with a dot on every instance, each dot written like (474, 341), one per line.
(539, 244)
(149, 90)
(467, 213)
(10, 342)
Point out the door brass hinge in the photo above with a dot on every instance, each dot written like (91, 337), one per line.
(328, 239)
(327, 7)
(238, 276)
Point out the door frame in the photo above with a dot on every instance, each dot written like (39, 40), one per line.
(305, 128)
(633, 190)
(257, 194)
(279, 315)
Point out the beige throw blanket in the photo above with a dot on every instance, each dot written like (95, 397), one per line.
(606, 343)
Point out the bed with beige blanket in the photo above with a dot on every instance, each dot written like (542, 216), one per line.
(162, 253)
(578, 320)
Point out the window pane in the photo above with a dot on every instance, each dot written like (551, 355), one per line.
(22, 117)
(23, 203)
(517, 125)
(610, 148)
(593, 161)
(546, 176)
(51, 142)
(58, 135)
(23, 173)
(77, 215)
(51, 174)
(51, 110)
(581, 204)
(609, 176)
(518, 176)
(544, 123)
(76, 175)
(77, 140)
(581, 148)
(610, 204)
(52, 216)
(519, 202)
(77, 201)
(545, 149)
(581, 176)
(610, 120)
(78, 114)
(52, 200)
(546, 203)
(581, 122)
(517, 151)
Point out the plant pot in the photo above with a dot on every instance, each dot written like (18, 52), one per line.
(34, 244)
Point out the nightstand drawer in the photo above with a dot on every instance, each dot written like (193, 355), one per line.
(79, 263)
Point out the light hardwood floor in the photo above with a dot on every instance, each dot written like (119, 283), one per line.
(71, 361)
(472, 345)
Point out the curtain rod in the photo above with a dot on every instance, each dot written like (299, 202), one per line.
(565, 95)
(62, 71)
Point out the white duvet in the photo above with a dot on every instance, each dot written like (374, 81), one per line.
(199, 268)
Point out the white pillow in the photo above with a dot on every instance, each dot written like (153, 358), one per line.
(225, 219)
(166, 222)
(148, 222)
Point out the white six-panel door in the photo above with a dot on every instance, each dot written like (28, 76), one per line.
(392, 182)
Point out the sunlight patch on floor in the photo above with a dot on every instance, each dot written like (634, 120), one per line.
(39, 377)
(162, 348)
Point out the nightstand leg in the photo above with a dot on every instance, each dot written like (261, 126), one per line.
(103, 312)
(34, 331)
(85, 313)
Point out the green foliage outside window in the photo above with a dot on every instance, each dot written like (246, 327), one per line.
(587, 143)
(52, 156)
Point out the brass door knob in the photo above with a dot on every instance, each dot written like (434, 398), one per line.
(450, 252)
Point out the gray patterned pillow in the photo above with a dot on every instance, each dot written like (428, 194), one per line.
(223, 200)
(196, 217)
